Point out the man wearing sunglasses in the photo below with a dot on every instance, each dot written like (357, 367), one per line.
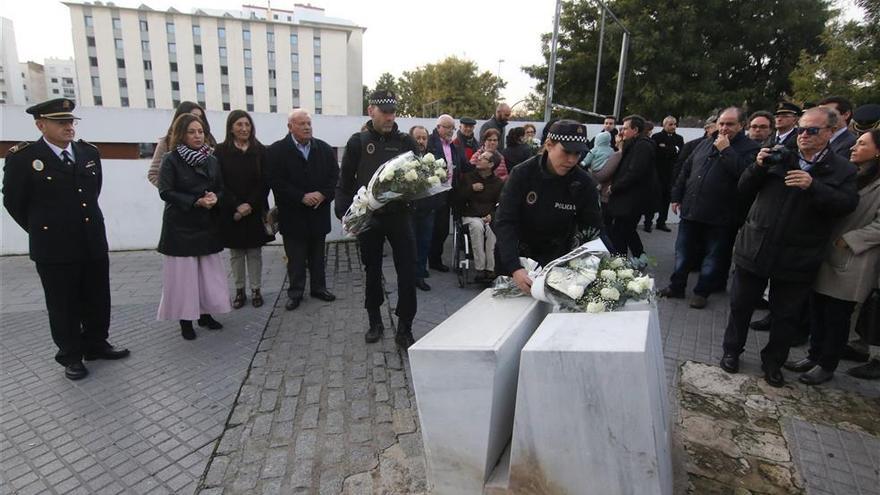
(783, 240)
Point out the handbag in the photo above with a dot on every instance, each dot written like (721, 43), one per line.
(270, 221)
(868, 324)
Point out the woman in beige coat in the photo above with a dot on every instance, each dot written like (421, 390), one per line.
(850, 270)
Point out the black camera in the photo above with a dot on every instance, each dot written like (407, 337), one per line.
(779, 155)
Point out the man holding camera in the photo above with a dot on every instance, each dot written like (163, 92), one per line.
(798, 195)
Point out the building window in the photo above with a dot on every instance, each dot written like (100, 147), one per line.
(200, 69)
(169, 27)
(250, 107)
(248, 90)
(117, 24)
(99, 101)
(289, 19)
(148, 65)
(90, 40)
(271, 56)
(95, 82)
(144, 25)
(123, 83)
(318, 98)
(317, 43)
(175, 85)
(175, 103)
(55, 91)
(294, 59)
(145, 46)
(221, 33)
(123, 101)
(93, 61)
(172, 47)
(222, 52)
(246, 34)
(273, 92)
(248, 73)
(148, 83)
(275, 17)
(120, 63)
(317, 63)
(295, 93)
(226, 106)
(247, 54)
(224, 70)
(270, 37)
(294, 39)
(200, 87)
(295, 77)
(318, 110)
(271, 73)
(273, 108)
(89, 21)
(197, 30)
(224, 89)
(173, 66)
(317, 79)
(197, 49)
(151, 103)
(54, 79)
(117, 42)
(67, 80)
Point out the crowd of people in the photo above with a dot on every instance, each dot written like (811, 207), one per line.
(784, 204)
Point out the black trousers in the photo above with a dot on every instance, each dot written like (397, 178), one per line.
(829, 329)
(786, 301)
(397, 228)
(438, 237)
(78, 302)
(301, 253)
(624, 236)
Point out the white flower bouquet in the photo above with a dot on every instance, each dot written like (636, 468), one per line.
(405, 177)
(504, 286)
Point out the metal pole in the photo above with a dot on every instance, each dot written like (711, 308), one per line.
(552, 72)
(599, 59)
(620, 73)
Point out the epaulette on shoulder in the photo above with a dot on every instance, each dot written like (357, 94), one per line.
(18, 147)
(87, 143)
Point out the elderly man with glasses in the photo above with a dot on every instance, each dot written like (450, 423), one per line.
(798, 195)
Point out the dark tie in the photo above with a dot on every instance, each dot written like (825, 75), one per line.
(65, 157)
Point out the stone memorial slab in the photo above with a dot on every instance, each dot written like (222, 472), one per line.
(464, 375)
(592, 409)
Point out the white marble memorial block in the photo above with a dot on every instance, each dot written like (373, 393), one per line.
(464, 374)
(592, 408)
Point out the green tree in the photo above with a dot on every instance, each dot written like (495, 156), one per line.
(387, 82)
(452, 86)
(851, 65)
(686, 57)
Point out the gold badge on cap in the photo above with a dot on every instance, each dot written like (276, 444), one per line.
(65, 104)
(38, 165)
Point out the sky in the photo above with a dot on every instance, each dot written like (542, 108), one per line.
(401, 35)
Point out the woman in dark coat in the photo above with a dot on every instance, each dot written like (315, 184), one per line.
(242, 164)
(517, 150)
(162, 145)
(193, 278)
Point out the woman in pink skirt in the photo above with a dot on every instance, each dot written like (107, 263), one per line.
(193, 278)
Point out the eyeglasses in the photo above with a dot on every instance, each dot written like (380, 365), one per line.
(811, 131)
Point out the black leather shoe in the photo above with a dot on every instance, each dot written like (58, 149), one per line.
(773, 375)
(404, 337)
(75, 371)
(440, 267)
(805, 364)
(698, 301)
(663, 227)
(374, 334)
(186, 330)
(730, 363)
(762, 325)
(670, 293)
(850, 353)
(323, 294)
(870, 371)
(421, 284)
(292, 303)
(816, 376)
(210, 322)
(108, 352)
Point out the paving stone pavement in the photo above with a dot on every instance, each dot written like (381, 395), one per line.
(279, 402)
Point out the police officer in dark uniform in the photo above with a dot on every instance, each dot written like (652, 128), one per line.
(51, 189)
(364, 153)
(546, 203)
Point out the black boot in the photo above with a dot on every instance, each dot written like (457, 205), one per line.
(374, 334)
(186, 330)
(404, 337)
(207, 320)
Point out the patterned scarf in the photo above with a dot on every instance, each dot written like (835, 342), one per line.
(194, 157)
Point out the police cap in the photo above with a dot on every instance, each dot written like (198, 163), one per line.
(384, 99)
(787, 108)
(865, 118)
(572, 135)
(57, 109)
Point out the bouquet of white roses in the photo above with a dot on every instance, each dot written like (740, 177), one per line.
(617, 282)
(504, 286)
(405, 177)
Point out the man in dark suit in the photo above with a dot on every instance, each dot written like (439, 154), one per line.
(669, 144)
(786, 117)
(303, 174)
(51, 189)
(843, 139)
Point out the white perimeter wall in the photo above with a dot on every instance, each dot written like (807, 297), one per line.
(131, 205)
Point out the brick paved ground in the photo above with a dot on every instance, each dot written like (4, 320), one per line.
(283, 402)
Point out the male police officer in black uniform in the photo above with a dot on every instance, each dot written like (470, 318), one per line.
(51, 189)
(547, 201)
(364, 153)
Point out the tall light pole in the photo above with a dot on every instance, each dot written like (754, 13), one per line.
(498, 74)
(552, 72)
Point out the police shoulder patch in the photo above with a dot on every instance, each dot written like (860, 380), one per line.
(18, 147)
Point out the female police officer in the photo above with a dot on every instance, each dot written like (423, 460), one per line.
(546, 201)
